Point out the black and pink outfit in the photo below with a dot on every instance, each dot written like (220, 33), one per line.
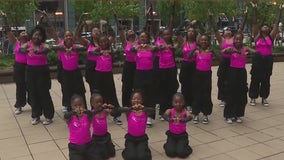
(71, 77)
(80, 144)
(145, 77)
(186, 75)
(136, 139)
(261, 70)
(104, 80)
(167, 75)
(203, 84)
(222, 72)
(128, 73)
(177, 144)
(90, 66)
(237, 85)
(101, 137)
(19, 76)
(39, 83)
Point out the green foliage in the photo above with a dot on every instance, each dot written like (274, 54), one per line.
(6, 61)
(101, 9)
(17, 11)
(165, 9)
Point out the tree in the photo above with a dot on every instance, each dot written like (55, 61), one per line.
(17, 11)
(102, 9)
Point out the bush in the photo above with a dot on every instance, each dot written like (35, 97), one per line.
(6, 61)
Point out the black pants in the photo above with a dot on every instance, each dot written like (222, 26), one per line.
(177, 145)
(39, 83)
(105, 85)
(136, 148)
(203, 86)
(186, 79)
(104, 146)
(22, 96)
(236, 94)
(260, 76)
(168, 86)
(156, 81)
(72, 83)
(90, 75)
(144, 82)
(59, 71)
(127, 82)
(83, 152)
(222, 74)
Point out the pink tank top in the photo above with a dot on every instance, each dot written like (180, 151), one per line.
(91, 57)
(177, 128)
(70, 61)
(19, 57)
(36, 59)
(129, 56)
(203, 61)
(186, 51)
(167, 59)
(224, 46)
(79, 130)
(137, 124)
(238, 60)
(100, 124)
(264, 46)
(159, 42)
(104, 63)
(144, 60)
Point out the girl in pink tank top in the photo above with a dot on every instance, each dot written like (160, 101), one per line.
(237, 82)
(101, 137)
(79, 123)
(136, 136)
(177, 144)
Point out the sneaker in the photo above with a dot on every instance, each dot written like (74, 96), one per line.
(239, 120)
(205, 119)
(252, 102)
(161, 118)
(149, 122)
(229, 120)
(35, 121)
(264, 102)
(47, 121)
(64, 109)
(195, 119)
(18, 110)
(222, 104)
(117, 121)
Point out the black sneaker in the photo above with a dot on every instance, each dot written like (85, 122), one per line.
(35, 121)
(195, 119)
(252, 102)
(117, 121)
(18, 110)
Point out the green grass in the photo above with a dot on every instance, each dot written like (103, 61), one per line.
(6, 61)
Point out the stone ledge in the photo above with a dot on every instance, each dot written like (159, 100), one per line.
(6, 75)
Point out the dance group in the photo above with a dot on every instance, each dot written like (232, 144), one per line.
(149, 70)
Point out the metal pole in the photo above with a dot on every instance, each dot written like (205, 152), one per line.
(66, 21)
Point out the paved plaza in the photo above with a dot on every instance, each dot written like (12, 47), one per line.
(260, 136)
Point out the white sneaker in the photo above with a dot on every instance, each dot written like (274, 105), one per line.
(161, 118)
(222, 104)
(252, 102)
(264, 102)
(239, 120)
(205, 119)
(64, 109)
(47, 121)
(117, 121)
(18, 110)
(149, 122)
(195, 119)
(229, 120)
(35, 121)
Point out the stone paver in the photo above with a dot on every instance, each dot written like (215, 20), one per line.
(260, 136)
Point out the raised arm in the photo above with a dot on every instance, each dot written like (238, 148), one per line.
(255, 29)
(217, 34)
(275, 29)
(53, 30)
(120, 30)
(172, 18)
(11, 37)
(242, 26)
